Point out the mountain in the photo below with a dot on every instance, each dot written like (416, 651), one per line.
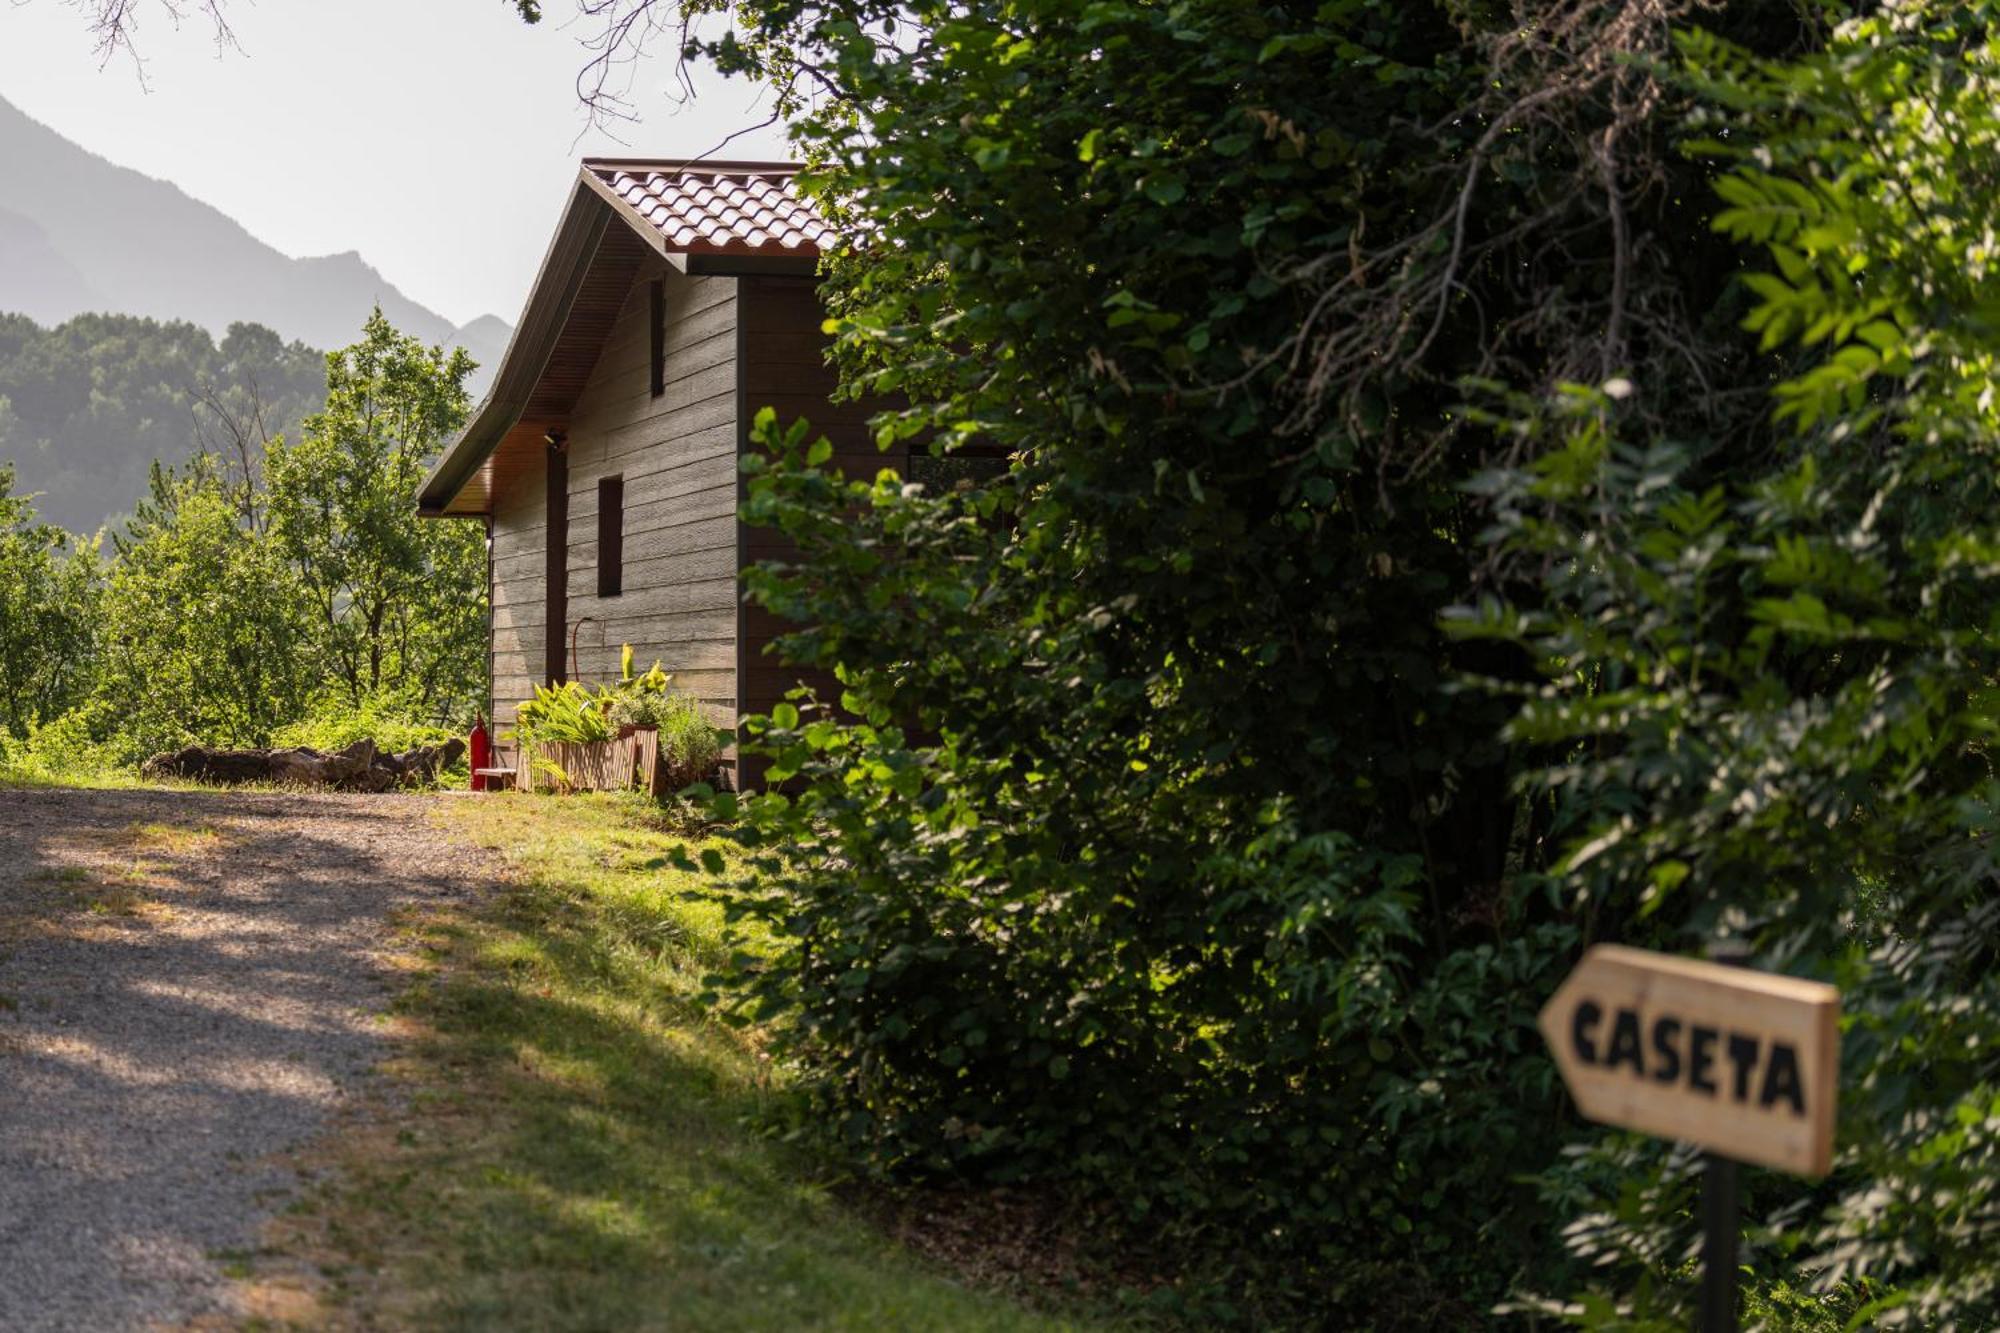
(36, 279)
(81, 234)
(486, 338)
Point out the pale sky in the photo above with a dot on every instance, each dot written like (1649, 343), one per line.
(437, 137)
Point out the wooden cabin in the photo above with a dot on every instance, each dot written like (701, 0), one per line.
(674, 303)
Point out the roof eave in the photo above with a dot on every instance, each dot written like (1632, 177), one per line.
(592, 206)
(536, 334)
(746, 264)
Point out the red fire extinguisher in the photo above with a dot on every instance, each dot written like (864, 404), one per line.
(481, 746)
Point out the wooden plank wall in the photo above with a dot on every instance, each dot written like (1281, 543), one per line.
(784, 367)
(514, 666)
(677, 454)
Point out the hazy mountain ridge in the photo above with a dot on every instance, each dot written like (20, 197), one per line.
(80, 234)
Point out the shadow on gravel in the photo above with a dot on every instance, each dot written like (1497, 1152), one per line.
(188, 986)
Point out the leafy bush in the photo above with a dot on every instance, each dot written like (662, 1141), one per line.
(640, 700)
(51, 590)
(1770, 693)
(690, 745)
(568, 713)
(1153, 848)
(64, 749)
(334, 724)
(206, 637)
(247, 592)
(632, 709)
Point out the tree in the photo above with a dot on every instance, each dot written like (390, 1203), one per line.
(115, 24)
(1155, 846)
(388, 591)
(205, 639)
(1771, 682)
(48, 614)
(282, 579)
(94, 400)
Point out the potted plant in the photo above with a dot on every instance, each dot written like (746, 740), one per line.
(567, 732)
(555, 725)
(638, 702)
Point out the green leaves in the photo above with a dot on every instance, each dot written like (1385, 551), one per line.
(387, 589)
(1767, 678)
(1156, 847)
(50, 599)
(291, 579)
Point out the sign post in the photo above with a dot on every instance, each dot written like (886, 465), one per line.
(1741, 1063)
(1719, 1216)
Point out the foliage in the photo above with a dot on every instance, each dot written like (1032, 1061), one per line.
(1770, 690)
(63, 750)
(640, 698)
(49, 593)
(331, 723)
(204, 636)
(631, 708)
(91, 403)
(566, 713)
(387, 589)
(690, 746)
(267, 589)
(1150, 846)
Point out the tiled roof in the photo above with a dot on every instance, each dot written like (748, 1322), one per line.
(716, 208)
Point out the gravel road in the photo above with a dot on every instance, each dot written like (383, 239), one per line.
(189, 985)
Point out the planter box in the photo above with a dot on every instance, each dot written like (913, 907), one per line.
(619, 764)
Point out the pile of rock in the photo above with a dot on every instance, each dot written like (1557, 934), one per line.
(360, 767)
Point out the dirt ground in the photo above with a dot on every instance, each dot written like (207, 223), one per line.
(192, 984)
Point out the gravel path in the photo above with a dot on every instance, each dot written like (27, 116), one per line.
(189, 985)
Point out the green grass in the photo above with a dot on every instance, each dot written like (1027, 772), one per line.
(25, 772)
(24, 777)
(578, 1151)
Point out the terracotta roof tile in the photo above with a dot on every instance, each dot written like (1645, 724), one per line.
(717, 208)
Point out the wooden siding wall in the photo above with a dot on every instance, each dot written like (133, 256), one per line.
(677, 455)
(518, 595)
(784, 367)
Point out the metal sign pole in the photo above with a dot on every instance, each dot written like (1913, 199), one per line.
(1719, 1215)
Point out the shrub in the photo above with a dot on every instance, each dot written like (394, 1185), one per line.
(563, 714)
(64, 749)
(1153, 849)
(334, 724)
(1769, 704)
(690, 746)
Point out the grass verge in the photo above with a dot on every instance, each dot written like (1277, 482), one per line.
(573, 1153)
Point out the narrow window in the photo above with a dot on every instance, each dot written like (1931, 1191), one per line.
(610, 536)
(659, 338)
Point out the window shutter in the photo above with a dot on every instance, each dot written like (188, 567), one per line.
(659, 338)
(610, 536)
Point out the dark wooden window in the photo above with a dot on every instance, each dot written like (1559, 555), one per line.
(659, 338)
(610, 536)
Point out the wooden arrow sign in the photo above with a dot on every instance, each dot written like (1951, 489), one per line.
(1742, 1063)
